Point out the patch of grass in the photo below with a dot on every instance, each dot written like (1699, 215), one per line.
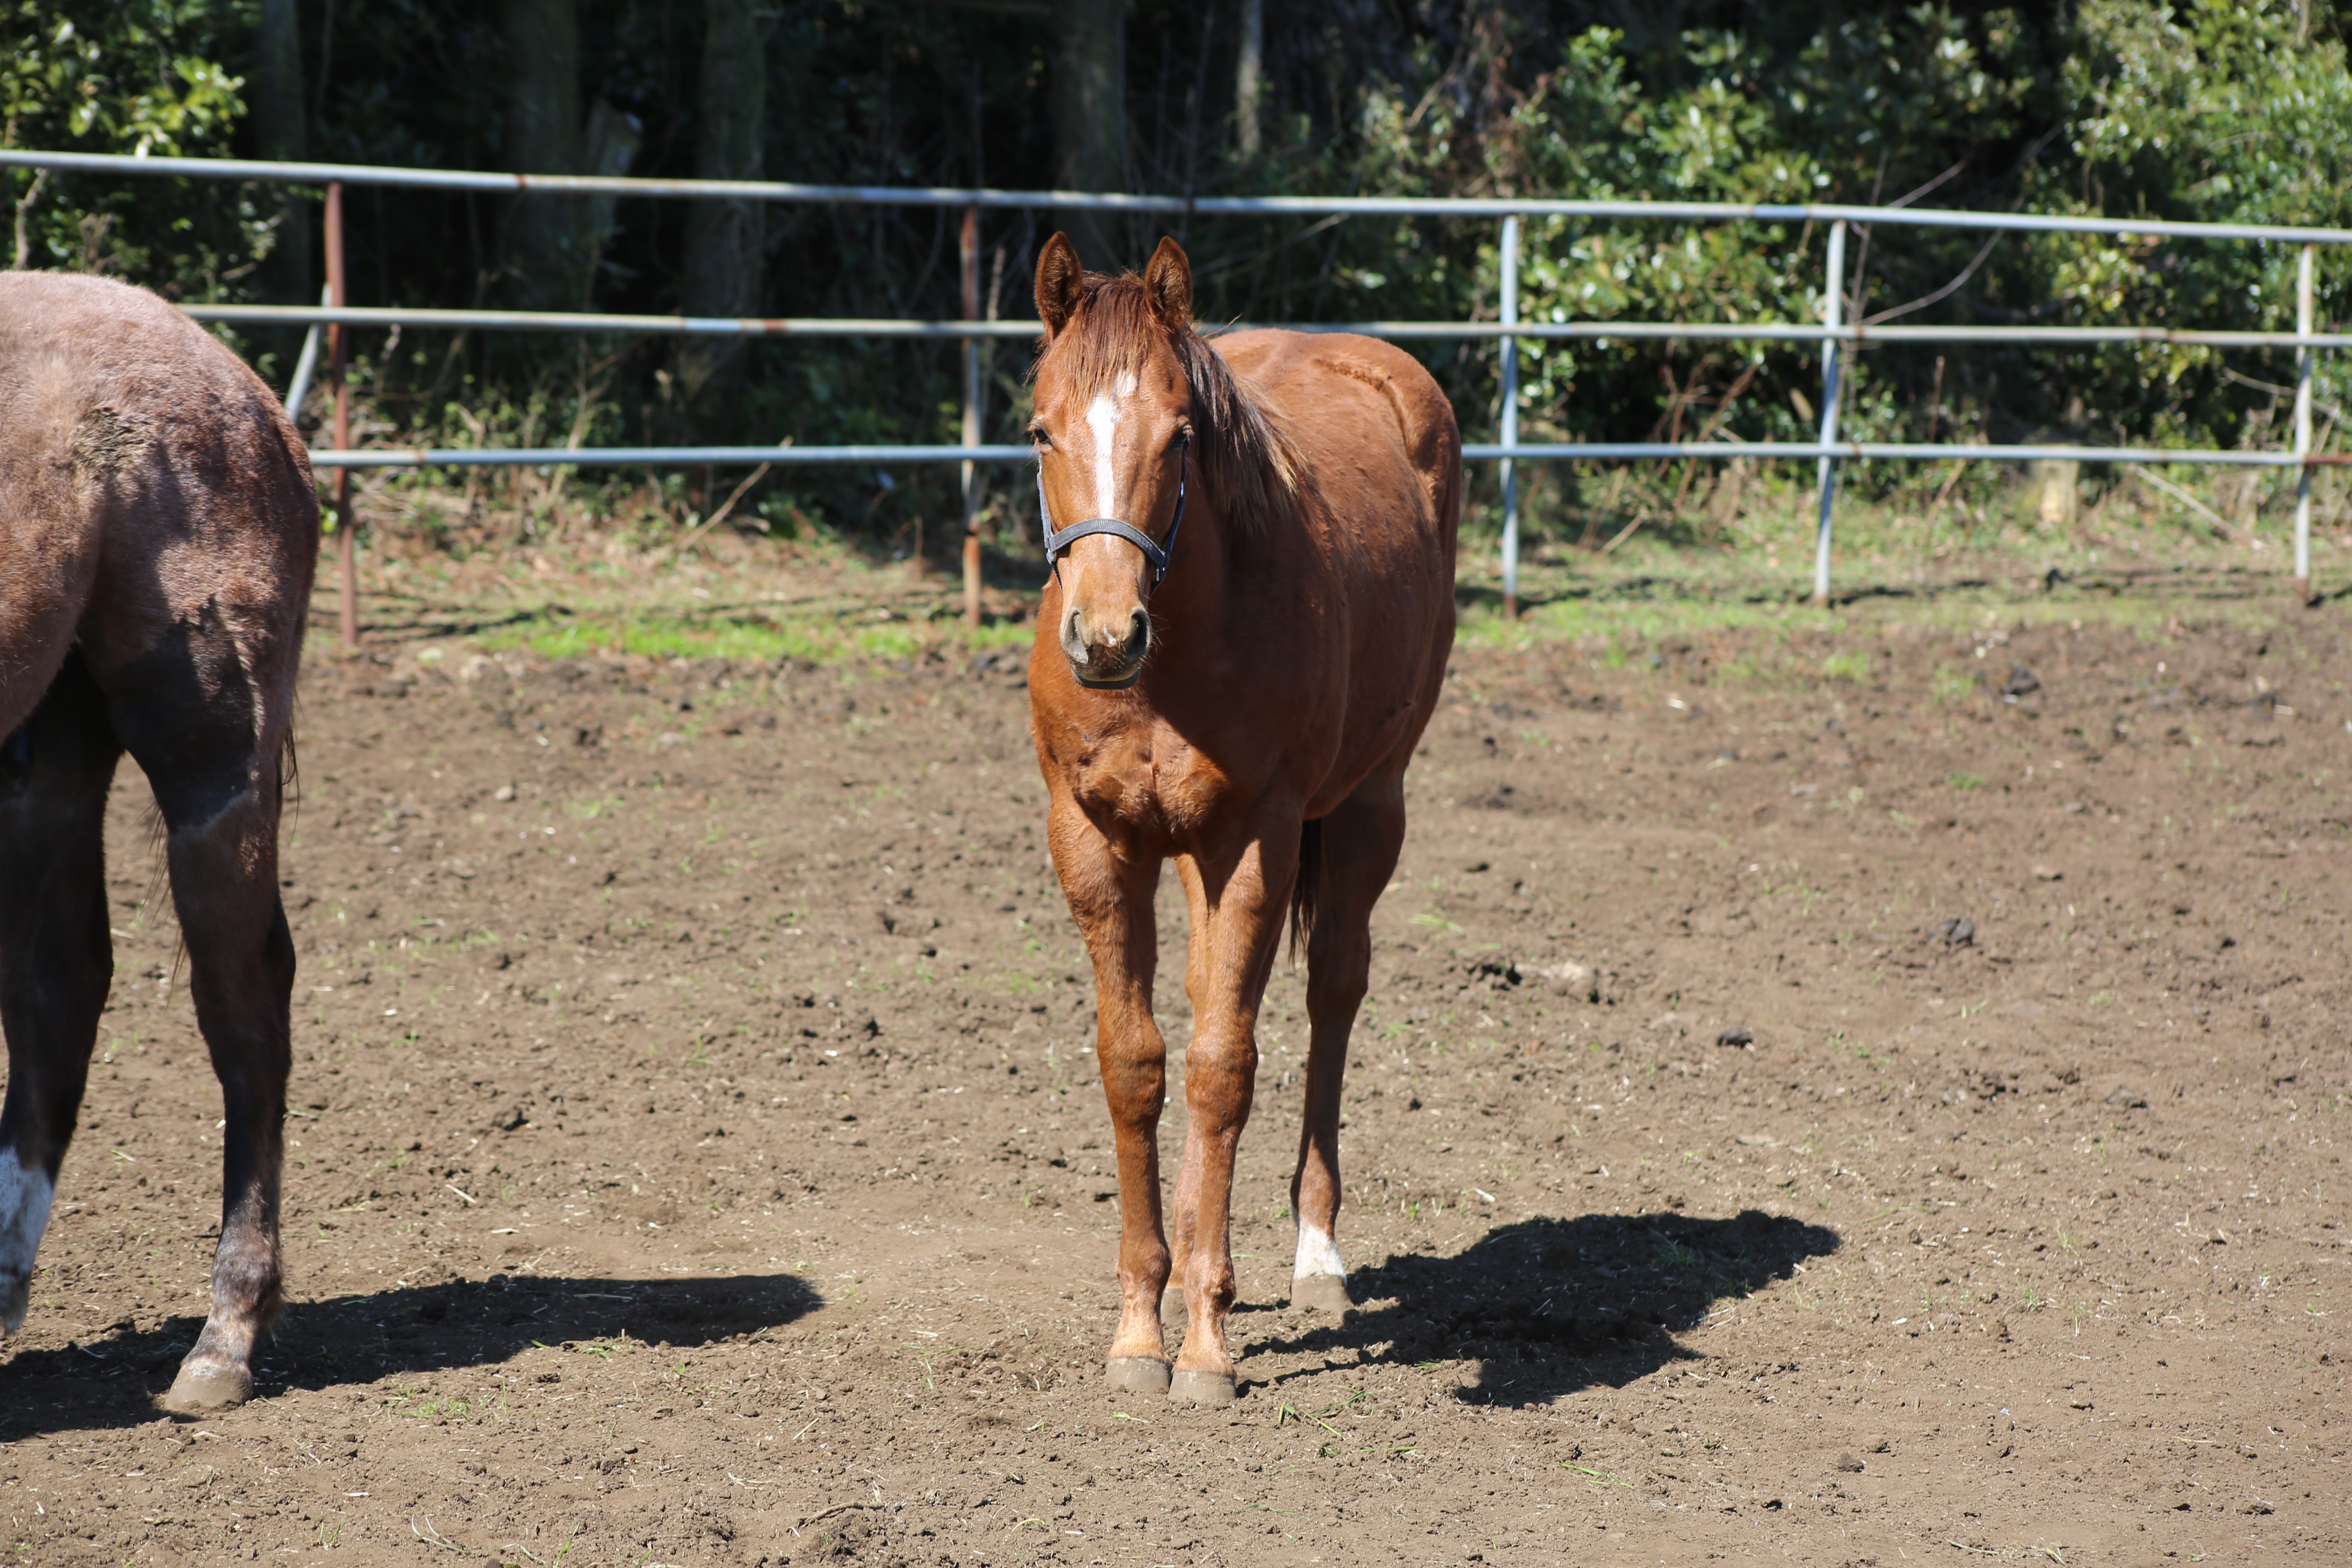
(1953, 683)
(1848, 666)
(1965, 781)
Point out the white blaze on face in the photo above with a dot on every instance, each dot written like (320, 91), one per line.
(1318, 1252)
(23, 1214)
(1102, 418)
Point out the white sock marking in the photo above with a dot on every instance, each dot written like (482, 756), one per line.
(1318, 1252)
(23, 1214)
(1102, 418)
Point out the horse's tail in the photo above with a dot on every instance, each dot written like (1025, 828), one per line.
(1307, 886)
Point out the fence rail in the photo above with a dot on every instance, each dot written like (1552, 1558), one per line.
(1834, 334)
(1475, 452)
(890, 327)
(502, 184)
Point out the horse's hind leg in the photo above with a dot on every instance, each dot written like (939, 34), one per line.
(56, 961)
(208, 731)
(1360, 841)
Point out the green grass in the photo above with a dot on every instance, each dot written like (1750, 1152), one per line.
(1732, 593)
(669, 634)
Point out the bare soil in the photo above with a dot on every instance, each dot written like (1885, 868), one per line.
(1811, 1106)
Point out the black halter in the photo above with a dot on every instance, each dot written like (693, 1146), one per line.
(1157, 554)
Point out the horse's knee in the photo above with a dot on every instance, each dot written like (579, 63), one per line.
(1219, 1075)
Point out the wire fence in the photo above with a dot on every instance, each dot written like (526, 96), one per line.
(336, 315)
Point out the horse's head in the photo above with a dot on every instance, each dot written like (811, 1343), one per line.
(1113, 425)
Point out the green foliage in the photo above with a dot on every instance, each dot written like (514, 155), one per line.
(145, 77)
(2226, 109)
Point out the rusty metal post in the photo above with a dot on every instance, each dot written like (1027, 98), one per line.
(339, 358)
(970, 249)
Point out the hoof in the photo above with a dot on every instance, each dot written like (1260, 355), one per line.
(16, 1301)
(201, 1389)
(1202, 1388)
(1138, 1374)
(1324, 1292)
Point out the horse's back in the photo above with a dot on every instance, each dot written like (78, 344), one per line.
(148, 478)
(1350, 402)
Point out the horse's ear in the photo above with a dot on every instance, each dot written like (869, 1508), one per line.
(1168, 284)
(1058, 276)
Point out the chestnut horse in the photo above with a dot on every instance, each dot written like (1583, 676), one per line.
(158, 529)
(1247, 626)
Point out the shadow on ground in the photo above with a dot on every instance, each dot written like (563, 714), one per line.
(1547, 1307)
(111, 1379)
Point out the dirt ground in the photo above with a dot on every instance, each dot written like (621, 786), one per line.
(1814, 1105)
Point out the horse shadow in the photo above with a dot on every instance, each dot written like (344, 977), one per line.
(111, 1379)
(1549, 1307)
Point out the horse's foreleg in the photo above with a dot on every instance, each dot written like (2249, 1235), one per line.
(1360, 840)
(1111, 901)
(1198, 967)
(56, 959)
(1249, 895)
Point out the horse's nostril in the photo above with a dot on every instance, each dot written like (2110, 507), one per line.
(1139, 627)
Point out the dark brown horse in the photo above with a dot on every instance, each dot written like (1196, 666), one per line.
(1245, 630)
(158, 530)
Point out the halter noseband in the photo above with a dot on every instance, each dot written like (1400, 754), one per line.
(1157, 554)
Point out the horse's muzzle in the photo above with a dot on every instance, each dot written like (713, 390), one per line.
(1100, 657)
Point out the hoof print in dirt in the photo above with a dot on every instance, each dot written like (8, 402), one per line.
(1580, 981)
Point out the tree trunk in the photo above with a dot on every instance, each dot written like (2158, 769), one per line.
(1090, 122)
(281, 132)
(1249, 78)
(724, 240)
(545, 259)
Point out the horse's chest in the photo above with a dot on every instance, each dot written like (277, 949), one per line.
(1149, 784)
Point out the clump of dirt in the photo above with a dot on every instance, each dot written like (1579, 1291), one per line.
(1825, 1096)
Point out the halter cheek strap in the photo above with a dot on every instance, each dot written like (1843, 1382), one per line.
(1157, 554)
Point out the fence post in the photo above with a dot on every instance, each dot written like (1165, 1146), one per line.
(1833, 317)
(339, 341)
(306, 367)
(2306, 357)
(971, 254)
(1510, 419)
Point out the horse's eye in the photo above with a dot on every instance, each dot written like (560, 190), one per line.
(1184, 438)
(1037, 436)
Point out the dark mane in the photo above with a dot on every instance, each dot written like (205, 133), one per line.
(1246, 464)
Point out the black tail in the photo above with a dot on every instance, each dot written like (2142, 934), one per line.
(1308, 886)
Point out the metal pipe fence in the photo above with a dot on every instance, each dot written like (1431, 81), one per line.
(888, 327)
(502, 184)
(1832, 334)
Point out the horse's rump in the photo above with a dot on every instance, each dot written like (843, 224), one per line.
(148, 480)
